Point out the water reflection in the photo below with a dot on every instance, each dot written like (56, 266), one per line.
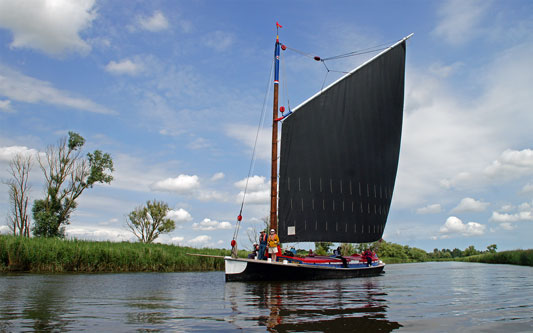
(327, 306)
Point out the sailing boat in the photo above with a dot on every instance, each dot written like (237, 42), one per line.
(338, 163)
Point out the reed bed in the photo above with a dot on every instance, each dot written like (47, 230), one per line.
(58, 255)
(516, 257)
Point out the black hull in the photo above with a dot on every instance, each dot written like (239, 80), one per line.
(257, 270)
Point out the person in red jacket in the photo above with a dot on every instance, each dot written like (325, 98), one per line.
(368, 254)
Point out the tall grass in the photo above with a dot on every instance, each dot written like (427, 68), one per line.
(57, 255)
(516, 257)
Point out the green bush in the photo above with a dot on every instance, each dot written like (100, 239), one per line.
(59, 255)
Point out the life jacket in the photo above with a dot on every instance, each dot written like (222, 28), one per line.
(273, 240)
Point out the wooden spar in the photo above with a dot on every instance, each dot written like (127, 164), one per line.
(274, 168)
(204, 255)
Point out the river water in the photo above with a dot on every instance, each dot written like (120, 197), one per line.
(422, 297)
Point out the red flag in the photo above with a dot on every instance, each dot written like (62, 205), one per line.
(278, 25)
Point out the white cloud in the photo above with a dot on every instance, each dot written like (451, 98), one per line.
(180, 215)
(527, 188)
(454, 226)
(198, 143)
(154, 23)
(4, 229)
(98, 233)
(7, 153)
(51, 26)
(505, 217)
(219, 40)
(22, 88)
(201, 240)
(218, 176)
(512, 164)
(5, 106)
(460, 20)
(470, 205)
(247, 134)
(258, 191)
(430, 209)
(448, 140)
(188, 186)
(507, 226)
(210, 225)
(135, 174)
(255, 183)
(183, 184)
(445, 71)
(177, 240)
(125, 66)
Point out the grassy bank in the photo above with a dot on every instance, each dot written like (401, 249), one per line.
(516, 257)
(57, 255)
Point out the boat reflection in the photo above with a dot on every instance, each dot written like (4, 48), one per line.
(327, 306)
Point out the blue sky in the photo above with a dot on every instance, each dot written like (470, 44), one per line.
(173, 90)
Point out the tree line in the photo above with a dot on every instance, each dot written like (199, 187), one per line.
(67, 173)
(386, 249)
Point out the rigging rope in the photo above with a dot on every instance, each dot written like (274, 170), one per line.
(252, 162)
(372, 49)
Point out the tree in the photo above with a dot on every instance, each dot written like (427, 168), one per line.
(19, 188)
(148, 222)
(254, 230)
(470, 251)
(347, 249)
(492, 248)
(322, 248)
(67, 174)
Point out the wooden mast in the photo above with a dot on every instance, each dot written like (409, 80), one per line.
(274, 173)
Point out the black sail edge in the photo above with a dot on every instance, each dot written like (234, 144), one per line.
(339, 156)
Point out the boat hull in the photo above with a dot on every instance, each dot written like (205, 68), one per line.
(258, 270)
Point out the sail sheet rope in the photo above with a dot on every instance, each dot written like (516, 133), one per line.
(252, 160)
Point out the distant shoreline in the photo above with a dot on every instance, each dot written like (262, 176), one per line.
(52, 255)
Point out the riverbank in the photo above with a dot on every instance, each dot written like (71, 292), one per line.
(516, 257)
(39, 255)
(22, 254)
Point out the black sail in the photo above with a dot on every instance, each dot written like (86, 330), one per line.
(339, 156)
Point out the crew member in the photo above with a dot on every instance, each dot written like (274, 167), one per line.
(262, 245)
(273, 242)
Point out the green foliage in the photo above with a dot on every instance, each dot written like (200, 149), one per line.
(492, 248)
(67, 174)
(59, 255)
(347, 249)
(99, 163)
(470, 251)
(47, 220)
(516, 257)
(322, 248)
(148, 222)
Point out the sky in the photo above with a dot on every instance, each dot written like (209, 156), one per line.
(174, 90)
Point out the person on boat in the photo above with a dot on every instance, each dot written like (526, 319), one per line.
(337, 252)
(254, 251)
(273, 242)
(311, 254)
(262, 245)
(368, 254)
(293, 251)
